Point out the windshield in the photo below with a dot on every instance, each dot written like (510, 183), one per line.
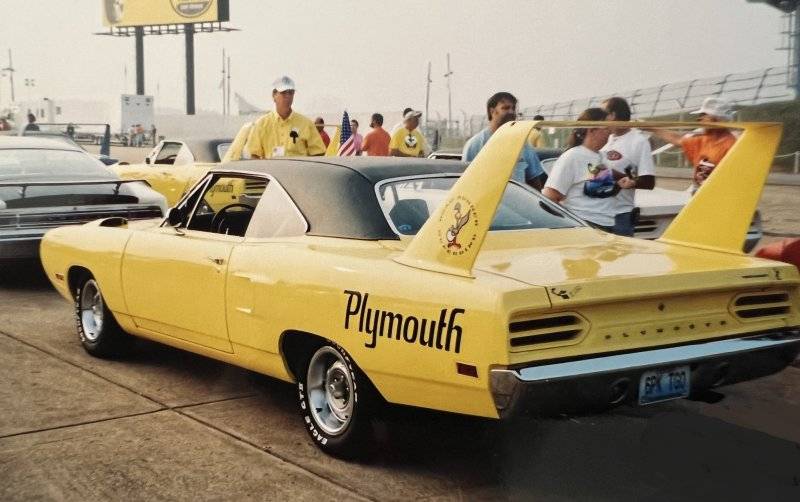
(408, 203)
(21, 163)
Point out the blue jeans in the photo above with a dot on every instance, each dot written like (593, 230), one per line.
(623, 224)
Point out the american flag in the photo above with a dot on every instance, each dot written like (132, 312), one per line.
(347, 141)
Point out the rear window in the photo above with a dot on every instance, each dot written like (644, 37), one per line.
(21, 163)
(408, 203)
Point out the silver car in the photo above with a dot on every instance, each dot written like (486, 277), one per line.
(46, 183)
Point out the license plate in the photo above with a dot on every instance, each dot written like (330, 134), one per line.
(664, 384)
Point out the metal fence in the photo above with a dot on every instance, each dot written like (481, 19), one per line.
(743, 89)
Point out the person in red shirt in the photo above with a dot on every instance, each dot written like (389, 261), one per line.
(376, 142)
(705, 150)
(321, 128)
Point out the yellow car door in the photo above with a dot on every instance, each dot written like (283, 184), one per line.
(174, 284)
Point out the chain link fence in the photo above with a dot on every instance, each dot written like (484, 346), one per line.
(673, 101)
(743, 89)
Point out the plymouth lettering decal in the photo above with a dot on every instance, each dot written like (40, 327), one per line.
(441, 334)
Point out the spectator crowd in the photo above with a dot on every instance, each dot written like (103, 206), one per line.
(595, 177)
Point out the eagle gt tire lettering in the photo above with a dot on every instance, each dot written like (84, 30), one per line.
(99, 332)
(335, 400)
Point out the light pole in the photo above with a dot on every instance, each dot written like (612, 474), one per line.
(427, 94)
(9, 70)
(449, 99)
(2, 74)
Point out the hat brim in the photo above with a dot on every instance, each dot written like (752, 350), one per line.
(724, 116)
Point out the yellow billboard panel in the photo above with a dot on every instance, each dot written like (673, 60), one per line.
(121, 13)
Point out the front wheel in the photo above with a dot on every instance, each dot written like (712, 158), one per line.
(335, 402)
(99, 332)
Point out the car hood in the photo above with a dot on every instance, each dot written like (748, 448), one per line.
(36, 178)
(585, 264)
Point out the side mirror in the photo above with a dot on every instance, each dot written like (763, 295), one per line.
(147, 160)
(175, 217)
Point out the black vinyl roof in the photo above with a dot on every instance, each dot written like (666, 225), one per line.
(205, 150)
(337, 194)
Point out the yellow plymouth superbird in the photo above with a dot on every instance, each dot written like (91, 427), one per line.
(172, 167)
(432, 284)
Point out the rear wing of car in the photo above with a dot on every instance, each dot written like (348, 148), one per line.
(236, 150)
(332, 149)
(717, 217)
(24, 185)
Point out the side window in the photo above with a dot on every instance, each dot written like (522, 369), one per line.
(226, 204)
(222, 149)
(168, 153)
(276, 215)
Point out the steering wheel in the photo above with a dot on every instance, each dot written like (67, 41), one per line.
(218, 220)
(169, 159)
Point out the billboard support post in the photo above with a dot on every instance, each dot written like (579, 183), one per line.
(188, 30)
(139, 19)
(105, 143)
(140, 60)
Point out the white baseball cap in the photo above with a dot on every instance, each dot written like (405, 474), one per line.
(412, 113)
(717, 107)
(283, 83)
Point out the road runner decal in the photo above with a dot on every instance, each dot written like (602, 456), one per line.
(458, 226)
(441, 334)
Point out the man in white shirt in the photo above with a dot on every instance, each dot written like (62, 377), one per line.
(580, 181)
(627, 151)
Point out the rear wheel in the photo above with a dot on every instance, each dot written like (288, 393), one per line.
(99, 332)
(335, 401)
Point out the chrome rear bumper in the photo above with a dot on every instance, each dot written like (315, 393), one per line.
(598, 382)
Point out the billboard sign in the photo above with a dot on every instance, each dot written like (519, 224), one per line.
(122, 13)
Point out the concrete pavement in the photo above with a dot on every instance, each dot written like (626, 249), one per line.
(166, 425)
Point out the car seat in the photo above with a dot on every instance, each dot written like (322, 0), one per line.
(409, 215)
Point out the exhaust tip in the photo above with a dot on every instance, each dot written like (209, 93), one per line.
(618, 391)
(720, 374)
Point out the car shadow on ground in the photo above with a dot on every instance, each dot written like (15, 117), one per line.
(664, 452)
(24, 275)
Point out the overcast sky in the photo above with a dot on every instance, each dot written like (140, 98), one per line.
(372, 55)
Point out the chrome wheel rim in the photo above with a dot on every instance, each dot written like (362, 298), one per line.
(91, 310)
(330, 390)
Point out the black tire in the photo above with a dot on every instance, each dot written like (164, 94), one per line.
(100, 334)
(337, 402)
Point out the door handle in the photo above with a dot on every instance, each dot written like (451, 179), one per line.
(217, 261)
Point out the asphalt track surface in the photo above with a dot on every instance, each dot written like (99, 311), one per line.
(163, 424)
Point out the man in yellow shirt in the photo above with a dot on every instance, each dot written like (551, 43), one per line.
(283, 132)
(408, 141)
